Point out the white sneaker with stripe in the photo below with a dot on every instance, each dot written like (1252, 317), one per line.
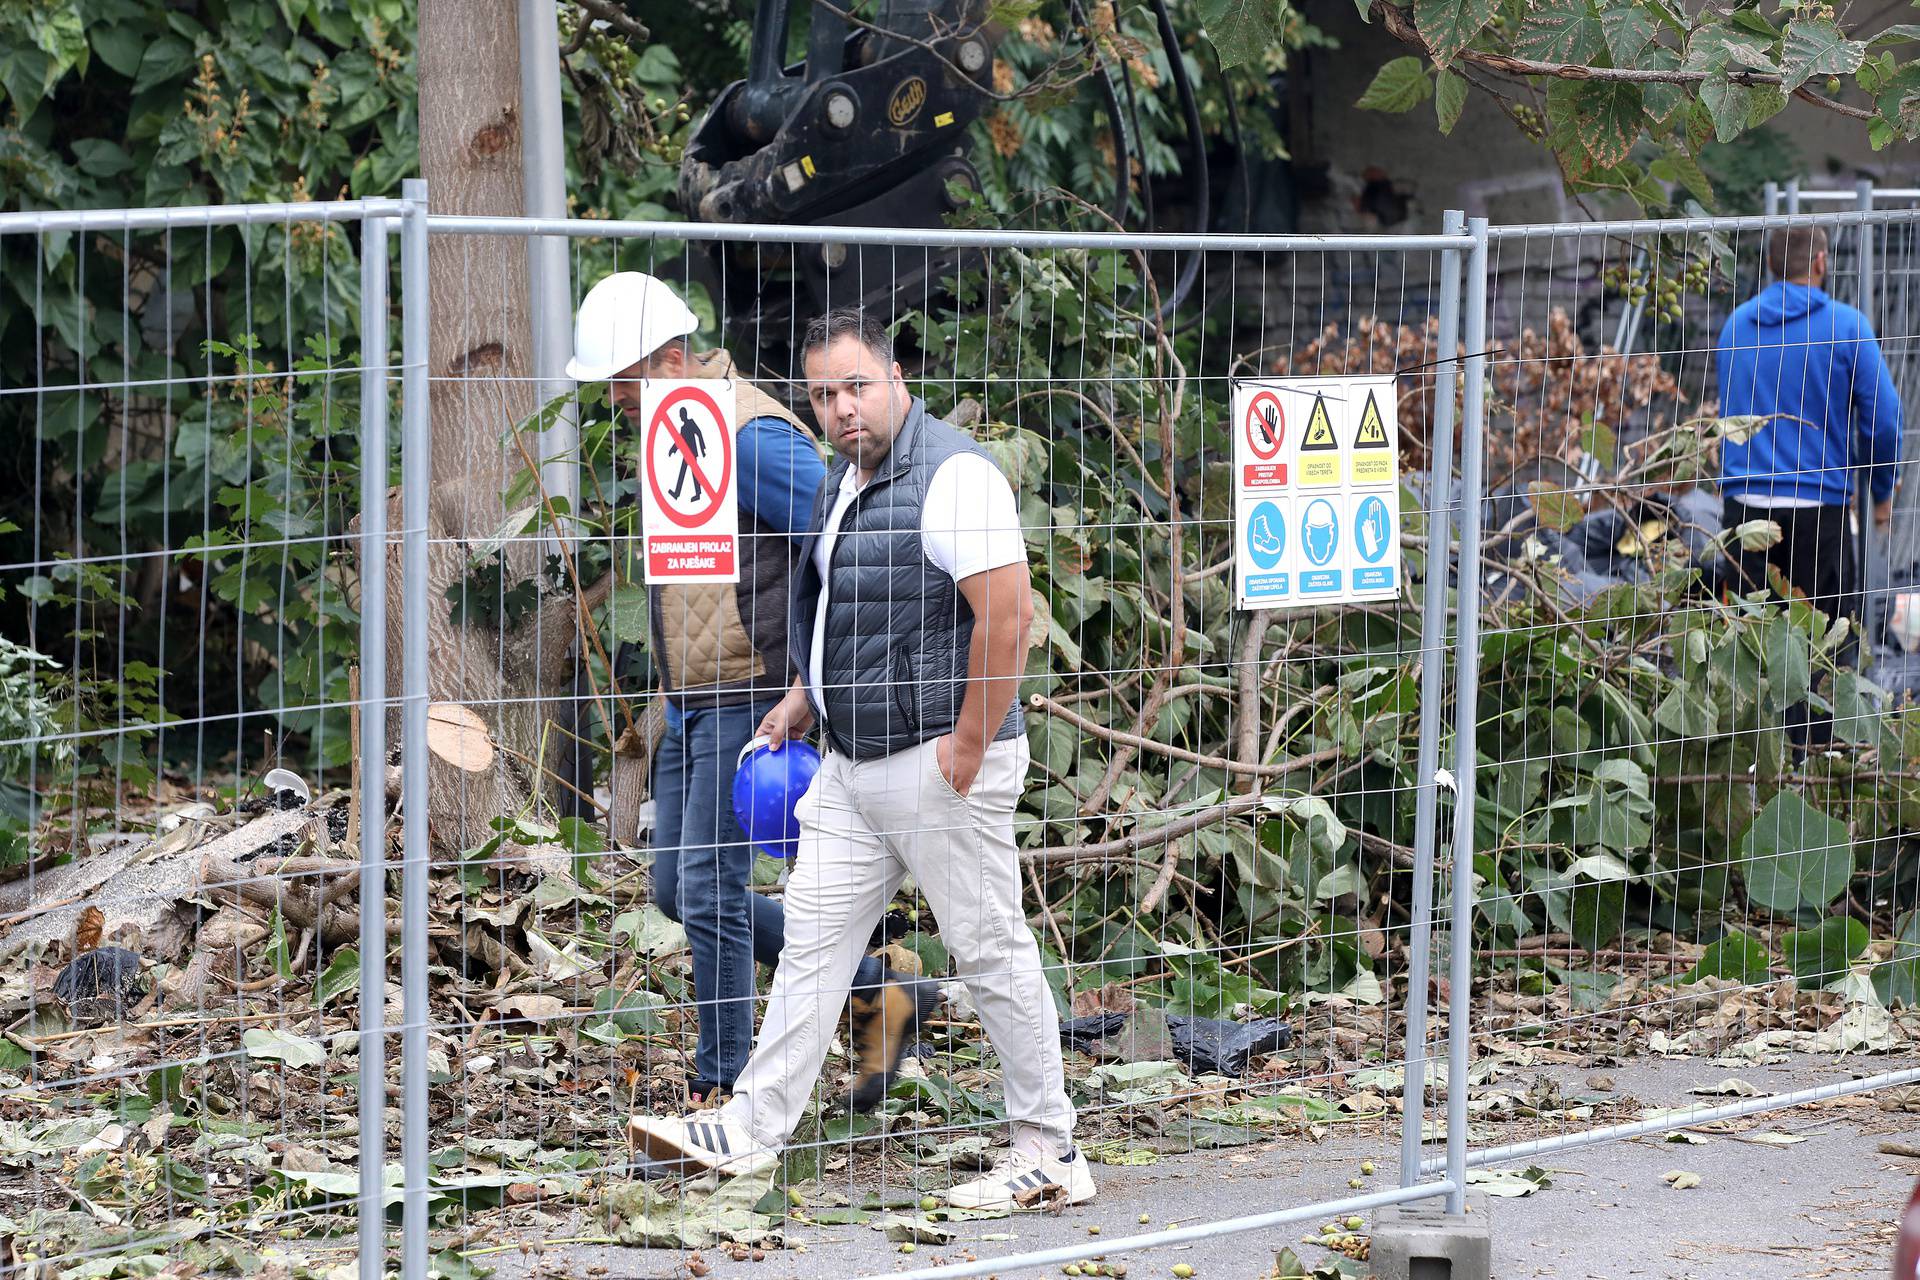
(704, 1139)
(1019, 1171)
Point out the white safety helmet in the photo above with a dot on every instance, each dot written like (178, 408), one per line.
(624, 319)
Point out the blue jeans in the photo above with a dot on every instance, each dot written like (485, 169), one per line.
(702, 866)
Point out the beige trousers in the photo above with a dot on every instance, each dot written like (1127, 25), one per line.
(863, 823)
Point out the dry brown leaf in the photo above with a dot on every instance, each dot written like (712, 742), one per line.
(899, 959)
(88, 929)
(459, 736)
(1112, 998)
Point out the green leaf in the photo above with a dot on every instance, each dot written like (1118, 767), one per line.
(277, 952)
(1614, 115)
(1664, 102)
(1401, 85)
(1562, 31)
(1794, 855)
(1241, 30)
(283, 1046)
(1449, 99)
(1553, 507)
(627, 614)
(1904, 33)
(338, 978)
(1628, 29)
(1822, 954)
(1686, 168)
(1714, 47)
(1735, 957)
(1598, 439)
(1599, 913)
(1817, 47)
(120, 46)
(1450, 25)
(1729, 105)
(1787, 660)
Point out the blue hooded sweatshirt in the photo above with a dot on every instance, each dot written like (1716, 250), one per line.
(1796, 352)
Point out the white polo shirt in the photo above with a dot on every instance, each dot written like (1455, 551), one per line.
(970, 524)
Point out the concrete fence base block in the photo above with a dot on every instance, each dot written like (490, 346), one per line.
(1424, 1242)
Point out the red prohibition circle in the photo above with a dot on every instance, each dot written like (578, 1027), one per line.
(663, 422)
(1254, 437)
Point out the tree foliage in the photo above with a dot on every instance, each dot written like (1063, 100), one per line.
(1627, 93)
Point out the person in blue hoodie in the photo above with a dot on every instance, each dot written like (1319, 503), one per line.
(1811, 367)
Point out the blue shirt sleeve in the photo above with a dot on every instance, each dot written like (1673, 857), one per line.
(780, 473)
(1876, 403)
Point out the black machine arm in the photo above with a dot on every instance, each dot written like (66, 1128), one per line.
(862, 115)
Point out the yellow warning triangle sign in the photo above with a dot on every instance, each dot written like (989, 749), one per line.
(1373, 432)
(1319, 427)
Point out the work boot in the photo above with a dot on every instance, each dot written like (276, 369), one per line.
(885, 1018)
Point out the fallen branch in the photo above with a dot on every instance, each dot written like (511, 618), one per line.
(263, 888)
(1136, 742)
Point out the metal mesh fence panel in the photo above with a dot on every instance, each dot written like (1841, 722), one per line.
(1189, 873)
(191, 398)
(1695, 726)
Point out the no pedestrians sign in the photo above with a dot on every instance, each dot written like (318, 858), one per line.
(689, 513)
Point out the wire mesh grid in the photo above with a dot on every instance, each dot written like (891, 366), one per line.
(1214, 835)
(186, 405)
(1221, 818)
(1695, 713)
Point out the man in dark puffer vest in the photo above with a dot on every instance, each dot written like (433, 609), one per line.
(909, 633)
(720, 651)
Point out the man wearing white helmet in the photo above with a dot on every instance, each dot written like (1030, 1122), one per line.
(720, 651)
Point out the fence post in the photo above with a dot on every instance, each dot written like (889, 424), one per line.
(416, 455)
(373, 748)
(1770, 194)
(1793, 195)
(1466, 682)
(1433, 692)
(1864, 263)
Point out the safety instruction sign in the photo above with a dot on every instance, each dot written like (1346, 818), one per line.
(1316, 474)
(689, 511)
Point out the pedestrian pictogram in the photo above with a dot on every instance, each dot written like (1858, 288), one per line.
(1372, 450)
(1319, 447)
(689, 518)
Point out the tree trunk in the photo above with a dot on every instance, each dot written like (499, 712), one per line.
(480, 362)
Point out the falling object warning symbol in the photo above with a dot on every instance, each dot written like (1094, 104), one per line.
(1319, 434)
(1373, 432)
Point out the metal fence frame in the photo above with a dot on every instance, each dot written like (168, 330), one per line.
(1461, 246)
(1458, 1159)
(378, 217)
(1463, 322)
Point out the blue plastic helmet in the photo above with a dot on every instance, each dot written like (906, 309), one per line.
(766, 788)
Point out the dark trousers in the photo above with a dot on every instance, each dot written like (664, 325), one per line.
(1815, 556)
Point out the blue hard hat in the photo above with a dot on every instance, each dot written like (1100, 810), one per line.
(766, 788)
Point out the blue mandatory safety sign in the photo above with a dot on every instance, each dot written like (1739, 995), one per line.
(1373, 537)
(1372, 528)
(1320, 542)
(1266, 535)
(1263, 529)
